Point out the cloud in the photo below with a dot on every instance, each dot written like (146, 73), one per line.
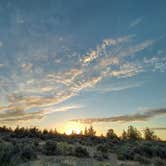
(66, 77)
(101, 48)
(126, 118)
(134, 49)
(118, 87)
(26, 66)
(61, 109)
(26, 103)
(127, 70)
(156, 63)
(19, 114)
(158, 128)
(1, 65)
(23, 102)
(1, 44)
(109, 61)
(136, 22)
(91, 56)
(45, 85)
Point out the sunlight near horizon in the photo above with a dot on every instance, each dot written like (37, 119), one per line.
(71, 127)
(71, 131)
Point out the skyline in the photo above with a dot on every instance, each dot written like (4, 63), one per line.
(67, 65)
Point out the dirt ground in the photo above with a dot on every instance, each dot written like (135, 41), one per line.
(74, 161)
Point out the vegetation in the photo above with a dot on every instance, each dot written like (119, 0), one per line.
(25, 144)
(50, 148)
(149, 135)
(81, 152)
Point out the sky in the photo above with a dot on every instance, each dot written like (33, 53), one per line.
(70, 64)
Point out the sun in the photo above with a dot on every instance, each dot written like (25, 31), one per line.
(70, 131)
(71, 127)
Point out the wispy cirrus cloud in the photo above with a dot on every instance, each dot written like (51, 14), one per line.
(19, 114)
(144, 116)
(92, 55)
(117, 87)
(34, 87)
(136, 22)
(158, 63)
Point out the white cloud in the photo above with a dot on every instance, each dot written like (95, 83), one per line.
(101, 48)
(26, 66)
(117, 86)
(156, 63)
(1, 65)
(136, 22)
(1, 43)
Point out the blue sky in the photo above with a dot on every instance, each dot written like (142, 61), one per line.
(83, 60)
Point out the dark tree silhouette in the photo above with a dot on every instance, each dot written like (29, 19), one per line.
(110, 134)
(124, 135)
(149, 134)
(91, 131)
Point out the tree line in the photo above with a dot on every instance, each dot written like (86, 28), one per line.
(132, 133)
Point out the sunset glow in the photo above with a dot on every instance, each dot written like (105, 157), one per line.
(70, 131)
(71, 64)
(71, 127)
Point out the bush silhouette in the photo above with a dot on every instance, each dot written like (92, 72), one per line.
(28, 153)
(6, 153)
(81, 152)
(50, 148)
(110, 134)
(65, 148)
(102, 148)
(100, 156)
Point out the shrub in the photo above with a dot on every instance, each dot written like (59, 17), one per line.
(100, 156)
(151, 149)
(141, 159)
(159, 162)
(102, 148)
(28, 153)
(102, 164)
(50, 148)
(6, 153)
(126, 152)
(65, 148)
(159, 151)
(36, 143)
(81, 152)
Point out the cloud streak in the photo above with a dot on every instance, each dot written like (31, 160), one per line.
(158, 128)
(126, 118)
(20, 115)
(136, 22)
